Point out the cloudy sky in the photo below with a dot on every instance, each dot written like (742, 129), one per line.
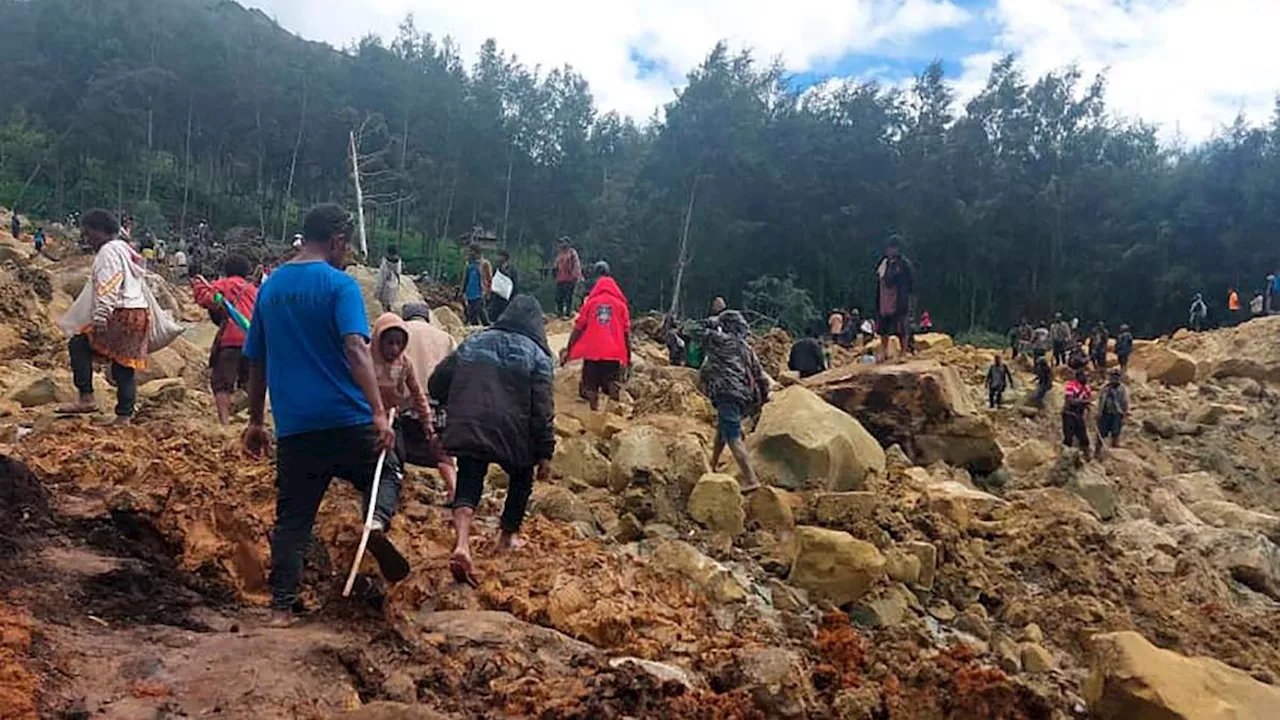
(1188, 65)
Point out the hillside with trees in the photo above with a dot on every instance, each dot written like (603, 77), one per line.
(1029, 198)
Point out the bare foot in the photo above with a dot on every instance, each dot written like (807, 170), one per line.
(461, 569)
(510, 541)
(281, 619)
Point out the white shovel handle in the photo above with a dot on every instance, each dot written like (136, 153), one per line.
(368, 518)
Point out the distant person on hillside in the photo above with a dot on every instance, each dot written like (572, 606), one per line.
(1098, 346)
(1256, 304)
(998, 380)
(178, 263)
(926, 322)
(1198, 314)
(1113, 408)
(835, 325)
(1044, 379)
(1059, 338)
(807, 355)
(568, 275)
(734, 380)
(387, 287)
(1124, 347)
(506, 285)
(1233, 306)
(228, 370)
(1270, 293)
(849, 331)
(308, 344)
(601, 338)
(895, 281)
(15, 226)
(39, 241)
(477, 283)
(497, 389)
(1040, 340)
(1075, 407)
(1076, 359)
(115, 326)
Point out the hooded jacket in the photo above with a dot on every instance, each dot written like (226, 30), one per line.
(603, 325)
(497, 388)
(398, 380)
(731, 370)
(240, 293)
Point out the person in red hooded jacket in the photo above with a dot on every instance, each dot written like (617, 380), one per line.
(601, 338)
(227, 367)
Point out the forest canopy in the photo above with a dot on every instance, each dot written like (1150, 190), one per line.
(1027, 199)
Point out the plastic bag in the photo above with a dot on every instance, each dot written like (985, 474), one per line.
(161, 330)
(502, 285)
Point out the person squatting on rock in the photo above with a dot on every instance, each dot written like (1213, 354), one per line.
(734, 380)
(387, 287)
(1078, 396)
(1113, 408)
(998, 380)
(1044, 379)
(895, 280)
(228, 370)
(477, 284)
(308, 344)
(115, 328)
(401, 387)
(808, 358)
(601, 338)
(1124, 347)
(1059, 338)
(497, 389)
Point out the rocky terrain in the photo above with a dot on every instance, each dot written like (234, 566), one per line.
(913, 556)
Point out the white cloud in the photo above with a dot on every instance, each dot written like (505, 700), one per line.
(598, 38)
(1189, 65)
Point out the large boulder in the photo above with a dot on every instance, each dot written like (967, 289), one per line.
(920, 405)
(933, 341)
(577, 458)
(834, 565)
(639, 456)
(559, 503)
(1029, 455)
(1097, 491)
(714, 579)
(1224, 514)
(959, 502)
(1162, 363)
(1249, 558)
(367, 277)
(1131, 679)
(802, 441)
(716, 503)
(1195, 487)
(41, 390)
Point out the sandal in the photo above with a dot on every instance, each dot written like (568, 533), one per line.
(463, 573)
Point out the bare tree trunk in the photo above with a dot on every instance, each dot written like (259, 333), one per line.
(506, 208)
(186, 171)
(293, 166)
(151, 114)
(30, 178)
(355, 176)
(684, 246)
(404, 159)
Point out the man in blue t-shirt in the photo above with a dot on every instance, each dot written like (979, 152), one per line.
(477, 284)
(308, 344)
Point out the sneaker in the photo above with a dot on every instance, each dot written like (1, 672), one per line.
(393, 565)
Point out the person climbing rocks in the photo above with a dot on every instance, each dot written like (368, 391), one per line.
(506, 285)
(835, 325)
(477, 283)
(228, 370)
(111, 319)
(1233, 306)
(808, 358)
(39, 240)
(497, 389)
(1044, 379)
(1076, 400)
(15, 226)
(601, 338)
(998, 380)
(733, 379)
(1124, 347)
(400, 386)
(1059, 338)
(428, 347)
(308, 344)
(387, 287)
(895, 281)
(568, 275)
(1098, 346)
(1113, 408)
(1198, 314)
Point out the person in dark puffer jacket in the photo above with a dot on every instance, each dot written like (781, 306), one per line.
(734, 380)
(497, 389)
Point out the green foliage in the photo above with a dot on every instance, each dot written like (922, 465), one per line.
(781, 300)
(981, 338)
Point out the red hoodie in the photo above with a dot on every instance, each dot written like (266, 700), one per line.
(603, 325)
(242, 294)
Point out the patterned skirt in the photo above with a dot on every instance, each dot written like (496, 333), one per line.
(125, 339)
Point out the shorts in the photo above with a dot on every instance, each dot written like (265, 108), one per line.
(890, 325)
(1109, 425)
(600, 376)
(729, 420)
(413, 447)
(228, 370)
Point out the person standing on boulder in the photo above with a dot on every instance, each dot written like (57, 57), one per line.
(1112, 410)
(895, 282)
(477, 283)
(387, 287)
(228, 370)
(308, 344)
(1059, 338)
(733, 378)
(601, 338)
(568, 275)
(1075, 407)
(1124, 347)
(1233, 306)
(498, 391)
(998, 380)
(1199, 312)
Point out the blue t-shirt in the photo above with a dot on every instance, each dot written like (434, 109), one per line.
(298, 326)
(473, 291)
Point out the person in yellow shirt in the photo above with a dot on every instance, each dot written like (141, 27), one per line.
(1233, 305)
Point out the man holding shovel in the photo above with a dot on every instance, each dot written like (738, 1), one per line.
(308, 343)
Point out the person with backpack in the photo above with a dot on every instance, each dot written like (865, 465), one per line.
(998, 380)
(1112, 411)
(1198, 314)
(1075, 407)
(1124, 347)
(734, 380)
(228, 370)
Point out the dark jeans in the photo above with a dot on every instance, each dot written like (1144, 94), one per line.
(1124, 361)
(471, 474)
(1041, 392)
(1110, 425)
(305, 464)
(82, 375)
(564, 298)
(1059, 352)
(1074, 431)
(995, 397)
(497, 306)
(477, 313)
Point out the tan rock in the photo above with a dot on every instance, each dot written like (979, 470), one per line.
(834, 566)
(802, 441)
(1195, 487)
(1097, 491)
(933, 341)
(1167, 509)
(961, 503)
(771, 509)
(927, 554)
(639, 455)
(888, 605)
(36, 392)
(1223, 514)
(689, 461)
(711, 577)
(1035, 659)
(1008, 654)
(1029, 455)
(1163, 364)
(559, 503)
(163, 392)
(1251, 559)
(844, 509)
(578, 458)
(902, 566)
(166, 363)
(1131, 679)
(716, 503)
(777, 680)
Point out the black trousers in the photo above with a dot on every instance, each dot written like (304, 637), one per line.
(82, 375)
(477, 312)
(471, 473)
(305, 465)
(564, 298)
(1074, 431)
(1059, 352)
(995, 397)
